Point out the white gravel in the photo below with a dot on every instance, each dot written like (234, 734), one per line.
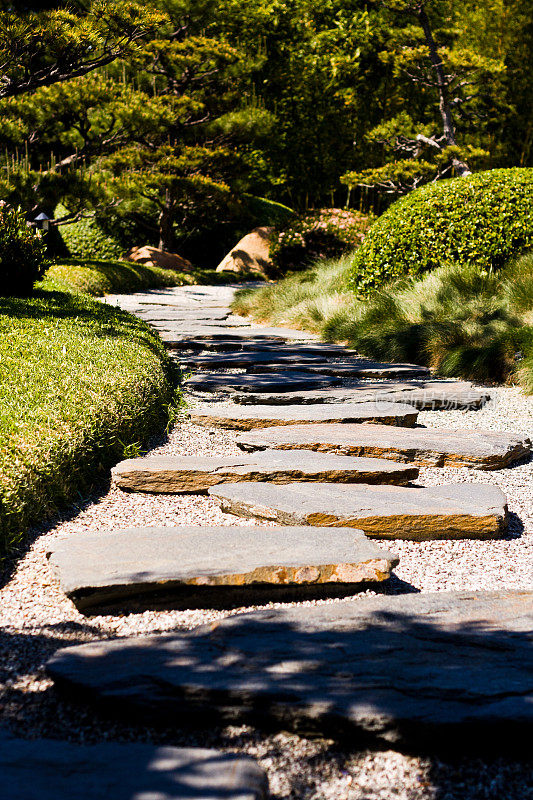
(36, 618)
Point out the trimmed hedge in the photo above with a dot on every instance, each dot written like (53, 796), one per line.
(87, 239)
(79, 382)
(484, 219)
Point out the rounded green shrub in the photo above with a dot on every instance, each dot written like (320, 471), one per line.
(22, 254)
(483, 219)
(88, 239)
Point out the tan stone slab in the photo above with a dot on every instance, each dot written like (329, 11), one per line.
(247, 418)
(175, 474)
(139, 567)
(357, 368)
(432, 447)
(451, 511)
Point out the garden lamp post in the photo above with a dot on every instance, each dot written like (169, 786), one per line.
(42, 221)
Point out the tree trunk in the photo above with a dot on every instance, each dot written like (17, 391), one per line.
(461, 167)
(166, 228)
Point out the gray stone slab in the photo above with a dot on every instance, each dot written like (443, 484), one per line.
(357, 368)
(432, 447)
(421, 672)
(450, 511)
(269, 382)
(140, 568)
(176, 474)
(271, 361)
(248, 417)
(239, 328)
(47, 769)
(433, 396)
(264, 345)
(230, 344)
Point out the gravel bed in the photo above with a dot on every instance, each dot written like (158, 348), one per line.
(36, 619)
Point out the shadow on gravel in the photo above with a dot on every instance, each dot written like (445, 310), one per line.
(446, 669)
(448, 672)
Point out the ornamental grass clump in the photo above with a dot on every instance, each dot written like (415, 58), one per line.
(22, 254)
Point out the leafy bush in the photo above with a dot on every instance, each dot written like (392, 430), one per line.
(484, 219)
(22, 254)
(325, 234)
(87, 238)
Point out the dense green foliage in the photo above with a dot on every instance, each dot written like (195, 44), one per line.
(22, 254)
(221, 101)
(460, 320)
(484, 219)
(86, 239)
(327, 233)
(78, 382)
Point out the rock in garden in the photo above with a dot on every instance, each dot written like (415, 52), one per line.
(437, 396)
(450, 670)
(449, 511)
(191, 567)
(47, 769)
(357, 368)
(269, 382)
(247, 418)
(250, 254)
(174, 474)
(432, 447)
(239, 360)
(154, 257)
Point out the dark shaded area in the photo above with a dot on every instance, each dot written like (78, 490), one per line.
(443, 673)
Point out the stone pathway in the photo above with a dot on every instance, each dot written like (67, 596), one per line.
(413, 672)
(46, 769)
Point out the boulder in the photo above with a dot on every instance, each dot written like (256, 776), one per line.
(153, 257)
(251, 254)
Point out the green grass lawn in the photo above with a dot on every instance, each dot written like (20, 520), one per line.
(99, 277)
(79, 381)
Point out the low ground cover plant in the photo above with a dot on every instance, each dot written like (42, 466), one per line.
(79, 381)
(485, 218)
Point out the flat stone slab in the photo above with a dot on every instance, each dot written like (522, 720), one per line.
(450, 511)
(273, 346)
(218, 382)
(421, 672)
(47, 769)
(231, 344)
(249, 417)
(176, 474)
(240, 329)
(238, 360)
(432, 396)
(432, 447)
(177, 314)
(356, 368)
(137, 568)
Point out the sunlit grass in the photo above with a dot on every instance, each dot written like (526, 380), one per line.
(79, 381)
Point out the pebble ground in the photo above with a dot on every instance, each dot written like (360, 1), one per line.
(36, 619)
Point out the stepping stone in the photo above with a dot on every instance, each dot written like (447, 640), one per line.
(229, 344)
(47, 769)
(244, 419)
(417, 672)
(202, 567)
(269, 382)
(354, 369)
(239, 360)
(431, 447)
(174, 474)
(450, 511)
(242, 331)
(439, 396)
